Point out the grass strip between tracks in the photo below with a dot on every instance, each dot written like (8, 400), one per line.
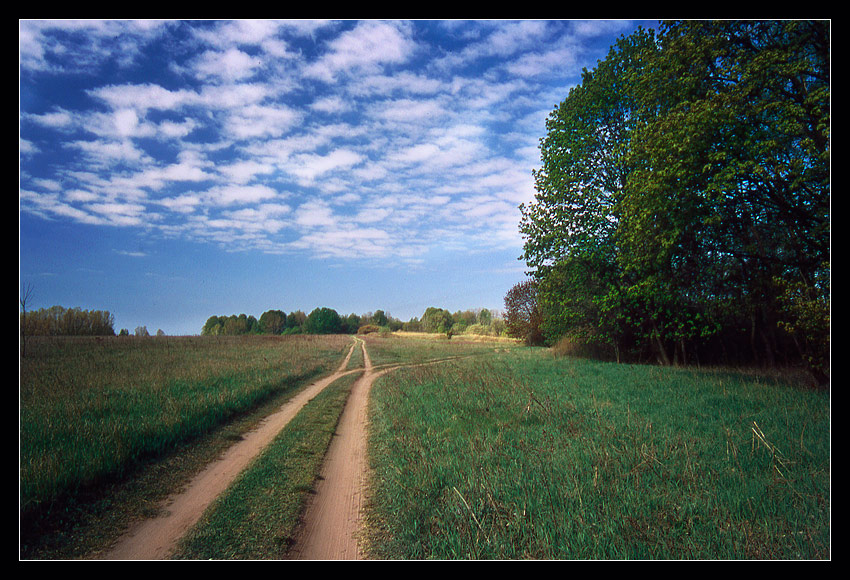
(259, 514)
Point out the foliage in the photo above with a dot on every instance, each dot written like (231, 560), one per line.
(60, 321)
(682, 205)
(436, 320)
(272, 322)
(323, 321)
(522, 313)
(276, 322)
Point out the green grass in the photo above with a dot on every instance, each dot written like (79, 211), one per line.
(256, 518)
(412, 348)
(92, 410)
(498, 451)
(519, 455)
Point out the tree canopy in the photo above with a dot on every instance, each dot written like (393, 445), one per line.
(682, 205)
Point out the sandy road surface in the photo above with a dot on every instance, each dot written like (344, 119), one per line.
(154, 539)
(332, 520)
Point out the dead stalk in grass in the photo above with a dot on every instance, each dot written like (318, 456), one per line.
(472, 513)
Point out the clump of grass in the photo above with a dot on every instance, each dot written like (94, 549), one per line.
(517, 455)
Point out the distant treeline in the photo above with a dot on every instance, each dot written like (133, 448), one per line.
(329, 321)
(61, 321)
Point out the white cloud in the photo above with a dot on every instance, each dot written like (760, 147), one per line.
(232, 96)
(174, 130)
(127, 124)
(315, 213)
(347, 242)
(245, 171)
(104, 153)
(331, 104)
(370, 45)
(119, 213)
(229, 65)
(588, 28)
(255, 121)
(59, 119)
(310, 166)
(183, 204)
(408, 110)
(364, 137)
(511, 37)
(79, 46)
(142, 97)
(239, 194)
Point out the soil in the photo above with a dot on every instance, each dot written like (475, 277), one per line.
(332, 521)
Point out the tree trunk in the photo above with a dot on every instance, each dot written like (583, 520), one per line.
(662, 352)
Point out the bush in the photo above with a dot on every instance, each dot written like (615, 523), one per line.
(368, 329)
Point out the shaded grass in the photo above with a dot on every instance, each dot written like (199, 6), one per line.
(257, 517)
(93, 410)
(516, 455)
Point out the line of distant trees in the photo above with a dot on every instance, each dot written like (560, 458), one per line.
(328, 321)
(61, 321)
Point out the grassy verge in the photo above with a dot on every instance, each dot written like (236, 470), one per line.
(256, 518)
(92, 412)
(516, 455)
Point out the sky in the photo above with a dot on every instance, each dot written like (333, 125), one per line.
(175, 170)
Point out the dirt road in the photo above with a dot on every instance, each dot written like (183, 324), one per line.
(154, 539)
(332, 520)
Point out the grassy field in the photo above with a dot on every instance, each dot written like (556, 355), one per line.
(92, 411)
(522, 455)
(497, 451)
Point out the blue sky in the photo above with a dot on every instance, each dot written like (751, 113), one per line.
(173, 170)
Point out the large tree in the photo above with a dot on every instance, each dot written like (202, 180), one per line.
(570, 227)
(683, 199)
(323, 321)
(272, 322)
(436, 320)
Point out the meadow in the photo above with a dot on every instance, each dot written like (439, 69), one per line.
(523, 455)
(94, 410)
(492, 451)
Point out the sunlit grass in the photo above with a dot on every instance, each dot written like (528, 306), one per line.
(412, 348)
(497, 451)
(257, 517)
(517, 455)
(90, 409)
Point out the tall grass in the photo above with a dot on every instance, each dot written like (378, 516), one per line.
(91, 409)
(517, 455)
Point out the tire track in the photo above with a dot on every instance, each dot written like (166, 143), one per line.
(155, 539)
(332, 519)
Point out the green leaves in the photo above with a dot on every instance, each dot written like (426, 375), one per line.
(685, 177)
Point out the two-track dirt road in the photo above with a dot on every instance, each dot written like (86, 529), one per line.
(332, 521)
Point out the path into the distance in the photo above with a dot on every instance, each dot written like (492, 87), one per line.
(332, 520)
(154, 539)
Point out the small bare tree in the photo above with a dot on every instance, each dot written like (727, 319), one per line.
(26, 294)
